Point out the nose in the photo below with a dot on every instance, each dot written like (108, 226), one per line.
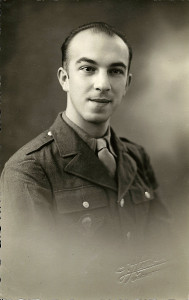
(102, 82)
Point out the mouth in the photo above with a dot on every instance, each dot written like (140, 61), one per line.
(100, 100)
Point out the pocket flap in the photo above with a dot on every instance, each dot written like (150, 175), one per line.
(140, 192)
(80, 199)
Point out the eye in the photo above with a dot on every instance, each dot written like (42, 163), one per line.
(116, 71)
(87, 69)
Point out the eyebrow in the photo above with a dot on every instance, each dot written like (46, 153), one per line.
(91, 61)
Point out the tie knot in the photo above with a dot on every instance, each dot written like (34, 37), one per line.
(100, 144)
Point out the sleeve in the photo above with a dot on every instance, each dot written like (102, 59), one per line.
(164, 238)
(159, 214)
(27, 226)
(26, 196)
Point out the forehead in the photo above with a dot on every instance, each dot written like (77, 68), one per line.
(98, 46)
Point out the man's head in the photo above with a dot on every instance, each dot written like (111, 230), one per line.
(95, 75)
(95, 27)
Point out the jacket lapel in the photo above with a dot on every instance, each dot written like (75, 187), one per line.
(81, 161)
(126, 167)
(78, 158)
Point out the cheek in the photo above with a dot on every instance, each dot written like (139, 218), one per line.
(119, 89)
(79, 85)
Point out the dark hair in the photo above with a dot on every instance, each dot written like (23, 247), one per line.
(97, 27)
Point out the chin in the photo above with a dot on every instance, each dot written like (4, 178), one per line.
(97, 118)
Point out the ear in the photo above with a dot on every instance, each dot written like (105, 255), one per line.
(128, 82)
(63, 79)
(129, 79)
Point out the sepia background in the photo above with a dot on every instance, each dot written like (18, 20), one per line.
(155, 111)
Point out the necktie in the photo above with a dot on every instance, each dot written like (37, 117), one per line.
(106, 157)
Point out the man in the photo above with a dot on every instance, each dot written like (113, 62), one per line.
(79, 201)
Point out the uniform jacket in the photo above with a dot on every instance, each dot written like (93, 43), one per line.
(58, 176)
(56, 191)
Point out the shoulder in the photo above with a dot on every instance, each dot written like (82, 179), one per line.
(142, 159)
(27, 152)
(134, 149)
(26, 165)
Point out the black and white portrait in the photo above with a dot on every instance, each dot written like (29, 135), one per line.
(94, 149)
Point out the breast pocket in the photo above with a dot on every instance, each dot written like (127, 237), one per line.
(84, 209)
(141, 194)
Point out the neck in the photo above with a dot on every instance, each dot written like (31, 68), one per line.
(95, 130)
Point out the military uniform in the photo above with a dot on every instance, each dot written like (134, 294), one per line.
(61, 205)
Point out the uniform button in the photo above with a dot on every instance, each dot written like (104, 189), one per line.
(147, 195)
(86, 204)
(122, 202)
(49, 133)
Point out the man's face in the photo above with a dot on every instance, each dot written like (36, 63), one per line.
(96, 77)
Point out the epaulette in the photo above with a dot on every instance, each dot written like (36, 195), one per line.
(39, 142)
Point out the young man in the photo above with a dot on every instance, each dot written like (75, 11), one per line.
(80, 201)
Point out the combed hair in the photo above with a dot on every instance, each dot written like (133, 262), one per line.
(96, 27)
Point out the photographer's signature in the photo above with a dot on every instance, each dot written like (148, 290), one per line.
(139, 270)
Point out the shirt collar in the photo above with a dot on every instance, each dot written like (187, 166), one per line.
(90, 141)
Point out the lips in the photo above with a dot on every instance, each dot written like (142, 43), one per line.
(100, 100)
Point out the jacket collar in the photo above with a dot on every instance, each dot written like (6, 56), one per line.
(82, 161)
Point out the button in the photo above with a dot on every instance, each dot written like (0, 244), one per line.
(86, 204)
(147, 195)
(49, 133)
(122, 202)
